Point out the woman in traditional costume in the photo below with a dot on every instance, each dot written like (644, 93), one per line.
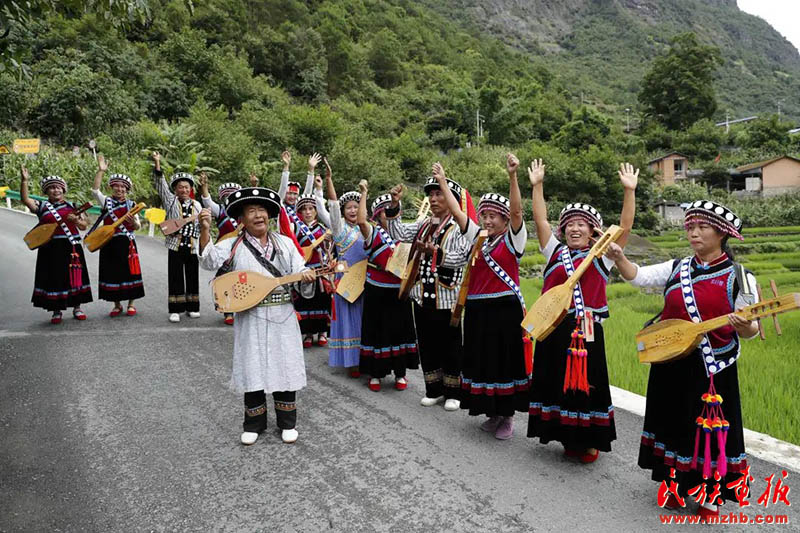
(344, 345)
(267, 345)
(120, 276)
(494, 378)
(570, 398)
(693, 433)
(388, 339)
(61, 279)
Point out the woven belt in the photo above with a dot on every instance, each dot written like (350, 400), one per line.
(276, 299)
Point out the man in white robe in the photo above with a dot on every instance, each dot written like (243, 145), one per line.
(267, 345)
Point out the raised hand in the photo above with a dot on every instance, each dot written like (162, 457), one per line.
(362, 187)
(253, 179)
(438, 172)
(102, 164)
(205, 219)
(313, 161)
(536, 172)
(628, 176)
(328, 172)
(286, 157)
(397, 193)
(203, 179)
(157, 160)
(25, 174)
(317, 182)
(512, 163)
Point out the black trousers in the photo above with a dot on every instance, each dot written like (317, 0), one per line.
(183, 278)
(440, 351)
(255, 410)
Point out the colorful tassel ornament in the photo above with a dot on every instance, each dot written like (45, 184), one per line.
(576, 376)
(711, 420)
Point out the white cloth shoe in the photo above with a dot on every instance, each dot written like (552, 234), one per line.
(174, 317)
(289, 435)
(248, 438)
(427, 402)
(194, 314)
(451, 404)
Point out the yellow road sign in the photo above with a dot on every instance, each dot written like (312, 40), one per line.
(4, 150)
(3, 191)
(26, 146)
(155, 215)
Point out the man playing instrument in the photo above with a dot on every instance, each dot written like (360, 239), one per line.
(445, 251)
(267, 346)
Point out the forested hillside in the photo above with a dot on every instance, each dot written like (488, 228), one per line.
(603, 48)
(382, 87)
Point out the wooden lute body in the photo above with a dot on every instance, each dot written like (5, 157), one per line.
(458, 308)
(309, 250)
(172, 225)
(241, 290)
(551, 307)
(672, 339)
(102, 234)
(42, 233)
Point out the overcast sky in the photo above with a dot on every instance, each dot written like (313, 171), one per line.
(783, 15)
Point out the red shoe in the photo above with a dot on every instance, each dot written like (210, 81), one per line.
(705, 514)
(400, 383)
(307, 342)
(56, 318)
(78, 314)
(355, 373)
(374, 385)
(587, 458)
(131, 310)
(322, 341)
(672, 502)
(115, 312)
(229, 321)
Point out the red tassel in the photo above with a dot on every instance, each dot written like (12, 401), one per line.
(722, 461)
(133, 260)
(75, 270)
(707, 453)
(576, 376)
(528, 348)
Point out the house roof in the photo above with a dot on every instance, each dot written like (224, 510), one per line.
(762, 164)
(667, 155)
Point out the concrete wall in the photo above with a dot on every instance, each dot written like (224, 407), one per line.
(783, 174)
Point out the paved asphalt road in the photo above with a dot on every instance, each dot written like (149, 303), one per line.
(128, 424)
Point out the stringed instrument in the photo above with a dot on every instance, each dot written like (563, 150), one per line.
(351, 285)
(550, 309)
(674, 338)
(241, 290)
(42, 233)
(309, 250)
(458, 308)
(231, 234)
(102, 234)
(173, 225)
(409, 278)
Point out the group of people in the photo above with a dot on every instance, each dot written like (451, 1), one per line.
(484, 364)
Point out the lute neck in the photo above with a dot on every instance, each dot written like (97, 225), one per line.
(781, 304)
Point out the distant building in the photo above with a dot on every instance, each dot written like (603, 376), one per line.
(779, 175)
(670, 168)
(672, 212)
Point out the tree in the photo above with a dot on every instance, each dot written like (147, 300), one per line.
(677, 90)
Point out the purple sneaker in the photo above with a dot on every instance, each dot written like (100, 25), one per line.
(505, 429)
(490, 426)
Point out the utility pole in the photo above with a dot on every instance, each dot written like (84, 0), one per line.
(628, 120)
(479, 119)
(727, 122)
(779, 109)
